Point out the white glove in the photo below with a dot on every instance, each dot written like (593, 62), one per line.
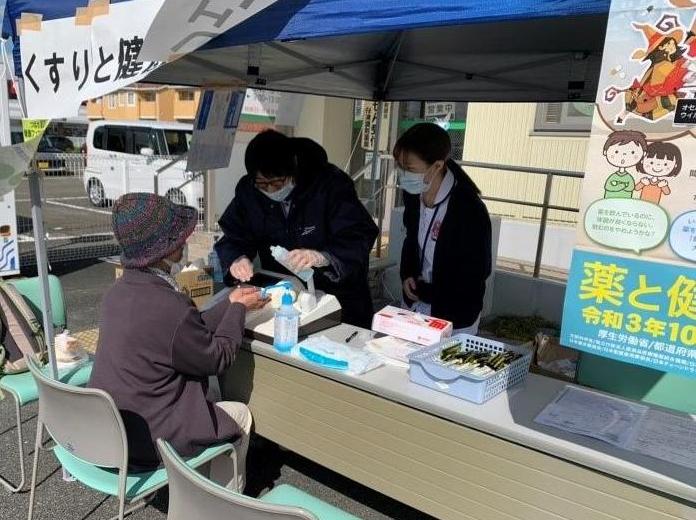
(242, 269)
(301, 259)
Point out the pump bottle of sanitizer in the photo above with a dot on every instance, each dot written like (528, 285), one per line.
(286, 326)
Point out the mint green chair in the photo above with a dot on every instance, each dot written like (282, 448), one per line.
(91, 443)
(21, 387)
(193, 496)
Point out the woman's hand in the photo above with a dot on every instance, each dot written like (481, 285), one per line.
(242, 269)
(250, 297)
(410, 289)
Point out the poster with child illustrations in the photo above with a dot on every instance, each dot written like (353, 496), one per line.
(632, 285)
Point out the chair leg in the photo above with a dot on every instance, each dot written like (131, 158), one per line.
(233, 456)
(135, 507)
(20, 448)
(37, 444)
(46, 438)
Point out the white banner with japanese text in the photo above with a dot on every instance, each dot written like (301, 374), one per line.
(182, 26)
(65, 63)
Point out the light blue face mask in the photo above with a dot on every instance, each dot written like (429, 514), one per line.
(412, 182)
(281, 194)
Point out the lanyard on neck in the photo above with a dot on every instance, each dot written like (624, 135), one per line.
(430, 228)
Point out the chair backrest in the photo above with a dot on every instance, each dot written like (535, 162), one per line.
(193, 496)
(84, 421)
(30, 288)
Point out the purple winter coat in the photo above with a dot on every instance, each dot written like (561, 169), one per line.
(155, 354)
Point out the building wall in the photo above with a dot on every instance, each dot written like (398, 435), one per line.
(502, 133)
(165, 104)
(94, 109)
(148, 108)
(328, 122)
(185, 110)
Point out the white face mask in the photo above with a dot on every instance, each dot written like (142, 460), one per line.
(281, 194)
(412, 182)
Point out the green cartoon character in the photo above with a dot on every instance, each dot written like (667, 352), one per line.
(623, 149)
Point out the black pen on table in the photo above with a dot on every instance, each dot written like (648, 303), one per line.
(351, 337)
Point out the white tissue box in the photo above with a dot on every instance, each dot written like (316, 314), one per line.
(411, 326)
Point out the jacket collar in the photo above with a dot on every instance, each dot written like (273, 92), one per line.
(143, 277)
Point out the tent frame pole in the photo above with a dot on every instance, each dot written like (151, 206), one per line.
(34, 181)
(42, 266)
(376, 164)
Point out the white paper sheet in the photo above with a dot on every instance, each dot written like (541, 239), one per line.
(667, 436)
(182, 26)
(593, 415)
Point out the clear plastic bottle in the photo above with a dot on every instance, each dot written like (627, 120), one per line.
(214, 262)
(286, 326)
(280, 254)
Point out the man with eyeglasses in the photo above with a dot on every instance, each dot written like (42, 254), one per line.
(293, 197)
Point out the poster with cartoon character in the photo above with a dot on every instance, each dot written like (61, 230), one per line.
(631, 291)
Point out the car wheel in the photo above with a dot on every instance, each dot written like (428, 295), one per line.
(177, 197)
(95, 192)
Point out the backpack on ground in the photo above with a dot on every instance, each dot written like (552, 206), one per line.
(21, 333)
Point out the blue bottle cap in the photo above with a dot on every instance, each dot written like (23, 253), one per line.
(287, 299)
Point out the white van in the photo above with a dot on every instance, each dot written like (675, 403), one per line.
(127, 156)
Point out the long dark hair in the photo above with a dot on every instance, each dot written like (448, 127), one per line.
(431, 143)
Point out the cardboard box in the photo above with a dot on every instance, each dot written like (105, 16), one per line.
(411, 326)
(197, 284)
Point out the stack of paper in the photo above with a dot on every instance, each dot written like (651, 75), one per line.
(393, 351)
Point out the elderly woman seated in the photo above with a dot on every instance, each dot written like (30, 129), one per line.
(156, 350)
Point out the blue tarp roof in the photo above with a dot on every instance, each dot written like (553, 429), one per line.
(299, 19)
(507, 50)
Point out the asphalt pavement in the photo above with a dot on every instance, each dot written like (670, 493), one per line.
(268, 465)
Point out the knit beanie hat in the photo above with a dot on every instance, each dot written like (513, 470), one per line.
(149, 228)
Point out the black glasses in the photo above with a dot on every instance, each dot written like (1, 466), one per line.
(276, 183)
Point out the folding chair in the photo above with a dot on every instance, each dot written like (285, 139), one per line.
(193, 496)
(91, 444)
(21, 387)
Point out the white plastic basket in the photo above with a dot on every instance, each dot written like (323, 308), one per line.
(425, 368)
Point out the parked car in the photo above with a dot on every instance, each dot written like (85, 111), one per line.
(51, 150)
(126, 156)
(55, 144)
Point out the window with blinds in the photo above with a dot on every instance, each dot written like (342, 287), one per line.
(563, 117)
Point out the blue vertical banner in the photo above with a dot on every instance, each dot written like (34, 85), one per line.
(631, 292)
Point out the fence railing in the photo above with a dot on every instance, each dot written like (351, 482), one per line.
(78, 192)
(545, 205)
(378, 197)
